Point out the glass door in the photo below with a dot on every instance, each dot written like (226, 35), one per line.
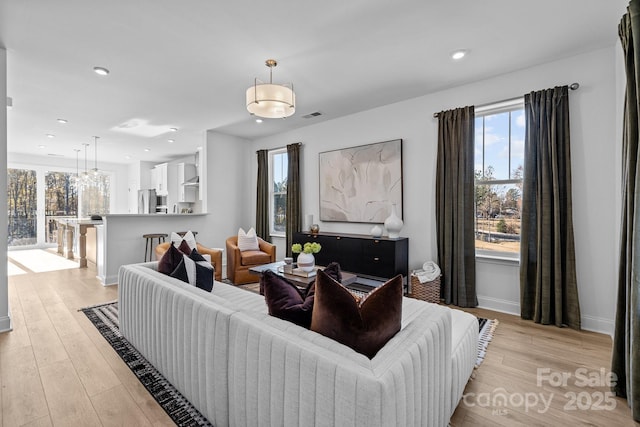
(60, 200)
(22, 204)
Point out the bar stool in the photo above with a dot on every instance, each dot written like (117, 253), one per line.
(148, 245)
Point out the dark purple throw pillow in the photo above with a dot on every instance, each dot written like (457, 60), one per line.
(170, 260)
(285, 301)
(365, 325)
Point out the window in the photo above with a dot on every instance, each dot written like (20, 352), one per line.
(22, 207)
(60, 200)
(499, 164)
(94, 195)
(278, 166)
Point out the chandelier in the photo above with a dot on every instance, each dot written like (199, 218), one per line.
(95, 162)
(269, 100)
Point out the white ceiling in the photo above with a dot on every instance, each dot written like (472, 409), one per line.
(187, 64)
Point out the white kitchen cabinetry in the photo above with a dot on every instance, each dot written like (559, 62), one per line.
(160, 175)
(186, 193)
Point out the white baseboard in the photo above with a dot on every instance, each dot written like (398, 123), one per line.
(108, 280)
(5, 324)
(598, 324)
(589, 323)
(501, 305)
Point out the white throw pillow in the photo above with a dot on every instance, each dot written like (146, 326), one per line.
(189, 238)
(248, 241)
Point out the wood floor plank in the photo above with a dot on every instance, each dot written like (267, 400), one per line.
(23, 398)
(62, 319)
(40, 422)
(46, 344)
(68, 402)
(19, 336)
(92, 369)
(115, 407)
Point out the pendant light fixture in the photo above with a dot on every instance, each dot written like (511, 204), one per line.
(85, 174)
(95, 161)
(76, 178)
(268, 100)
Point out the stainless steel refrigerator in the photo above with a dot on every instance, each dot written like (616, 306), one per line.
(147, 201)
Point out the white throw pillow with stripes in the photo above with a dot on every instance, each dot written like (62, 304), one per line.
(248, 241)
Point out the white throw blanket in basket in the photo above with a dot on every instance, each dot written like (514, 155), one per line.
(429, 272)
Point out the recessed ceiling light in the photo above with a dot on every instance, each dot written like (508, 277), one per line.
(101, 71)
(171, 141)
(173, 129)
(62, 121)
(127, 157)
(147, 149)
(258, 120)
(50, 135)
(42, 146)
(199, 147)
(458, 54)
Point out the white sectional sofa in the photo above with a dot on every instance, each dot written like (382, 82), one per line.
(241, 367)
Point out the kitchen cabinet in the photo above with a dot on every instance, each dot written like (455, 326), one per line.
(160, 175)
(186, 193)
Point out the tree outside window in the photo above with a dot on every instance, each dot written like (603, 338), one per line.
(499, 160)
(278, 166)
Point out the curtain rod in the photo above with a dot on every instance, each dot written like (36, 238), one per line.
(572, 86)
(280, 148)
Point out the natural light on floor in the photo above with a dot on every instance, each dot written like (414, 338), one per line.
(36, 260)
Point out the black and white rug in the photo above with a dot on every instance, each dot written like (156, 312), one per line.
(181, 411)
(487, 327)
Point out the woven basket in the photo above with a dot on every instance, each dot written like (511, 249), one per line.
(428, 291)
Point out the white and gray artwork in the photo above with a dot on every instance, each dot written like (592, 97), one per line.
(360, 184)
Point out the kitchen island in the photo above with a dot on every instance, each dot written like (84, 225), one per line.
(120, 238)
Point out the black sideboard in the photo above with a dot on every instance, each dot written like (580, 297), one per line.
(366, 256)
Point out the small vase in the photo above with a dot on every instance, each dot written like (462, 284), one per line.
(306, 262)
(376, 231)
(393, 223)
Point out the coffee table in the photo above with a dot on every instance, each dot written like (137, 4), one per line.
(300, 281)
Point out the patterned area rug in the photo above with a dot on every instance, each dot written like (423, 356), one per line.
(487, 328)
(182, 412)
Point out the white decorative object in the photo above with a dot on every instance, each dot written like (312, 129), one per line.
(393, 223)
(306, 262)
(377, 231)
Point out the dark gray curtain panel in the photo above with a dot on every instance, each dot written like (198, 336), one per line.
(262, 196)
(294, 217)
(455, 206)
(548, 286)
(626, 341)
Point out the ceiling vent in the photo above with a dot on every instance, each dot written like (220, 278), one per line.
(312, 115)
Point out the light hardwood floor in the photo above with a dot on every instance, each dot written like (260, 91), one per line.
(56, 369)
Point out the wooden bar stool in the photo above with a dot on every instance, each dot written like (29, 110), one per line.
(148, 245)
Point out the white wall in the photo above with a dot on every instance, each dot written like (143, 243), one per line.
(596, 171)
(228, 162)
(5, 318)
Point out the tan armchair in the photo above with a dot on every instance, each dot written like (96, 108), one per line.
(216, 256)
(238, 263)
